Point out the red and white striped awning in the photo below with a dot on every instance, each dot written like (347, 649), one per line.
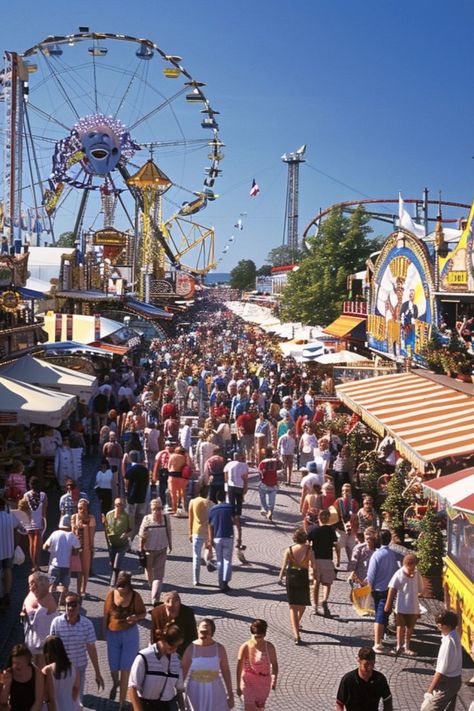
(455, 490)
(428, 420)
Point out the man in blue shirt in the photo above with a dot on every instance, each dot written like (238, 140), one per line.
(382, 566)
(221, 536)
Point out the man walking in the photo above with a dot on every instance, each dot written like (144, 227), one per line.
(8, 523)
(236, 474)
(447, 679)
(286, 449)
(61, 544)
(221, 536)
(136, 487)
(268, 486)
(156, 678)
(382, 565)
(323, 540)
(78, 636)
(362, 689)
(198, 513)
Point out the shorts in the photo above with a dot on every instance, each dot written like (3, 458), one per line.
(406, 619)
(6, 563)
(59, 576)
(325, 571)
(380, 598)
(122, 648)
(236, 497)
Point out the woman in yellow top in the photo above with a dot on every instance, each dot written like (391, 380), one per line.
(123, 609)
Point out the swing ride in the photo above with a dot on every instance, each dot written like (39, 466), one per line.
(102, 138)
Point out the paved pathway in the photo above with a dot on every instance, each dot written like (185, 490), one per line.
(309, 674)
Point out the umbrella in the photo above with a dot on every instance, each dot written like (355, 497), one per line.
(25, 404)
(341, 357)
(47, 375)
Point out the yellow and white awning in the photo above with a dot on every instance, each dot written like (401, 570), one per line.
(428, 420)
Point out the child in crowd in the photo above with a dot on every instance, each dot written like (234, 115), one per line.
(407, 585)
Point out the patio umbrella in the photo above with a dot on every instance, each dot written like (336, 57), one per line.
(54, 377)
(341, 357)
(24, 404)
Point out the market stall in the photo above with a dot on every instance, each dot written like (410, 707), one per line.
(50, 376)
(455, 493)
(25, 404)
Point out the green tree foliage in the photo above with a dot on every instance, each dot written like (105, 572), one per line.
(398, 499)
(315, 291)
(65, 239)
(281, 256)
(430, 545)
(243, 275)
(265, 270)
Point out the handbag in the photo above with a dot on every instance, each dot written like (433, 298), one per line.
(18, 556)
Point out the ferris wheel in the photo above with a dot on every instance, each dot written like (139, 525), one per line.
(107, 130)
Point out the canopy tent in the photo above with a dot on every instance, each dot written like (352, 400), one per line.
(302, 352)
(54, 377)
(341, 357)
(455, 490)
(24, 404)
(429, 421)
(344, 325)
(75, 348)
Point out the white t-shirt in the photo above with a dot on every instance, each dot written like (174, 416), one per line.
(60, 544)
(236, 472)
(449, 662)
(309, 480)
(408, 589)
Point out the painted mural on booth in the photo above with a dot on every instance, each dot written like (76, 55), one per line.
(401, 298)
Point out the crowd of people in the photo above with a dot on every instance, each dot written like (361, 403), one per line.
(180, 432)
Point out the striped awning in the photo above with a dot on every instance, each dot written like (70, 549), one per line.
(343, 325)
(454, 490)
(428, 420)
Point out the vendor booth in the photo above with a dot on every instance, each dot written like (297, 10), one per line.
(52, 377)
(24, 404)
(455, 492)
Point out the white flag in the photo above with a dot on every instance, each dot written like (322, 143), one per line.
(405, 220)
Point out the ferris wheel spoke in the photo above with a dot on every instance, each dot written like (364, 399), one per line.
(50, 117)
(158, 108)
(127, 91)
(62, 89)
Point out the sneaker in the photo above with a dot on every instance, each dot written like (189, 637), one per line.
(263, 512)
(378, 649)
(270, 516)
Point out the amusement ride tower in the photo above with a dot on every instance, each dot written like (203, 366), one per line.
(292, 191)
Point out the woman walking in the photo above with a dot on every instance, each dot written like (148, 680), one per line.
(155, 541)
(62, 680)
(206, 667)
(296, 562)
(257, 668)
(37, 502)
(123, 609)
(83, 526)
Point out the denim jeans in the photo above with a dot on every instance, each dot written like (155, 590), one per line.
(136, 513)
(224, 549)
(116, 556)
(198, 542)
(267, 496)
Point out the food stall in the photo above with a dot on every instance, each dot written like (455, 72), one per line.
(455, 493)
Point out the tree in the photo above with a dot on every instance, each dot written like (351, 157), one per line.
(243, 275)
(281, 256)
(265, 270)
(65, 239)
(316, 290)
(398, 499)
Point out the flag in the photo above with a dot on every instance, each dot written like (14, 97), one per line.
(254, 190)
(405, 220)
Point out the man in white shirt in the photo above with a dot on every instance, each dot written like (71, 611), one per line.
(236, 474)
(447, 679)
(286, 449)
(61, 545)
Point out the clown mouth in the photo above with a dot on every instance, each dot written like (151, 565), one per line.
(99, 153)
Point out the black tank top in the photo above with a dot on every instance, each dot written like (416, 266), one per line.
(22, 694)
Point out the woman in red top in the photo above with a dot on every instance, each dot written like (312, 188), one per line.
(268, 486)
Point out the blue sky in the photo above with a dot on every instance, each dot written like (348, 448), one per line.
(379, 90)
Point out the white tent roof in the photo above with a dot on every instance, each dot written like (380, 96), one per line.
(341, 357)
(24, 404)
(48, 375)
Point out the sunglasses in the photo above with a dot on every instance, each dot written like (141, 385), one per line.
(71, 604)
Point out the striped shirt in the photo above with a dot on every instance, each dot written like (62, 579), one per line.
(8, 522)
(156, 535)
(155, 675)
(75, 638)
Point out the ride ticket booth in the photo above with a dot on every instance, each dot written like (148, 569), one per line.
(455, 493)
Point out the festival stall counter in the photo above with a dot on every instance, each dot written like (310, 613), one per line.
(455, 493)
